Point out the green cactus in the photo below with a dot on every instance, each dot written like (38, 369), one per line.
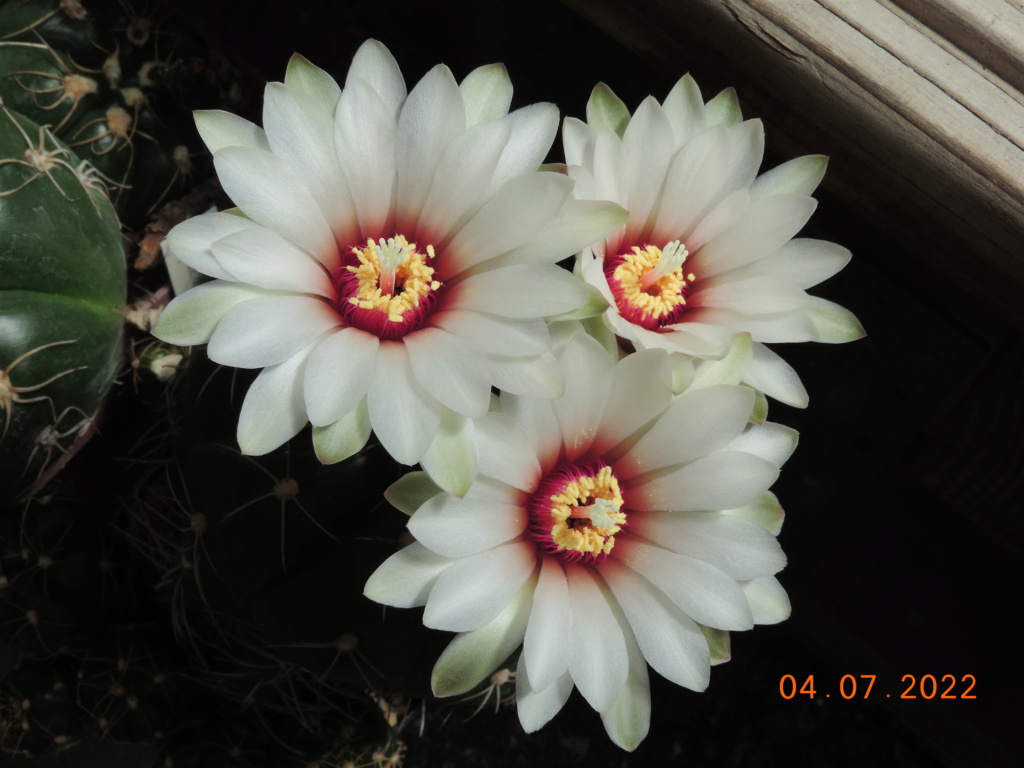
(62, 283)
(117, 86)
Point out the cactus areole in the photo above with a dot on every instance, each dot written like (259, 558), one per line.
(62, 292)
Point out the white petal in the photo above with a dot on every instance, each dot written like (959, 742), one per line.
(536, 418)
(191, 318)
(768, 600)
(647, 147)
(598, 661)
(641, 389)
(190, 241)
(764, 226)
(365, 134)
(506, 221)
(772, 442)
(578, 224)
(775, 328)
(718, 220)
(578, 141)
(273, 411)
(404, 417)
(274, 195)
(724, 108)
(799, 176)
(723, 480)
(471, 656)
(219, 129)
(533, 130)
(505, 453)
(339, 373)
(263, 258)
(474, 590)
(455, 376)
(521, 291)
(462, 178)
(536, 708)
(268, 330)
(374, 64)
(586, 366)
(547, 646)
(345, 437)
(670, 640)
(537, 376)
(405, 579)
(431, 117)
(684, 106)
(690, 180)
(702, 592)
(805, 261)
(300, 131)
(628, 719)
(487, 93)
(451, 459)
(754, 295)
(730, 369)
(773, 376)
(495, 335)
(740, 548)
(456, 527)
(698, 423)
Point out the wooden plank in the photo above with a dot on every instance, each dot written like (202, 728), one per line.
(925, 141)
(989, 31)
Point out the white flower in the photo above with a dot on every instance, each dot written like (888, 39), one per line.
(566, 543)
(392, 258)
(707, 250)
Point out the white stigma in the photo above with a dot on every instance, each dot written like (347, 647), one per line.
(599, 513)
(389, 255)
(672, 258)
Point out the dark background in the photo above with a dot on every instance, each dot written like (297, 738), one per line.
(903, 501)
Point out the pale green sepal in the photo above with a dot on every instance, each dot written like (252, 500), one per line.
(192, 317)
(307, 78)
(728, 370)
(452, 458)
(835, 324)
(411, 491)
(487, 93)
(799, 176)
(683, 372)
(598, 328)
(219, 129)
(759, 413)
(236, 212)
(472, 656)
(595, 305)
(724, 109)
(606, 110)
(765, 510)
(628, 719)
(719, 643)
(345, 437)
(768, 600)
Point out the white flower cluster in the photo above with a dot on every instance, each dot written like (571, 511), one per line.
(393, 260)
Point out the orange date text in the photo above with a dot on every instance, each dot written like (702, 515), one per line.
(863, 687)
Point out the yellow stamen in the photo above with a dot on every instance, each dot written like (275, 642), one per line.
(589, 528)
(385, 265)
(652, 280)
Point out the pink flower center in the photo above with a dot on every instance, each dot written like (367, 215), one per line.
(576, 512)
(649, 284)
(386, 288)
